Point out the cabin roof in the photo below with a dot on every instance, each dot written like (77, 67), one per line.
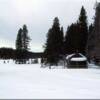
(76, 57)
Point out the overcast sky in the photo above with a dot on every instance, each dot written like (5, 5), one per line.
(38, 15)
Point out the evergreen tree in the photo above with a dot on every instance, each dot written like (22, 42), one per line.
(25, 38)
(62, 41)
(72, 39)
(91, 27)
(94, 37)
(91, 39)
(77, 35)
(22, 41)
(53, 48)
(67, 42)
(19, 40)
(22, 45)
(19, 47)
(83, 30)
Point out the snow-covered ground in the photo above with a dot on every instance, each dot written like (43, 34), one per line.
(33, 82)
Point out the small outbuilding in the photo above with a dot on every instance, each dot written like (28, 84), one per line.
(77, 60)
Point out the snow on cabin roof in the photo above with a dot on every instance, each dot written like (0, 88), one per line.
(79, 59)
(76, 57)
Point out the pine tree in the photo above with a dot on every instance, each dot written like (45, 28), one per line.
(53, 48)
(94, 37)
(19, 40)
(91, 27)
(67, 42)
(22, 45)
(25, 38)
(62, 41)
(19, 47)
(91, 39)
(72, 39)
(83, 30)
(77, 35)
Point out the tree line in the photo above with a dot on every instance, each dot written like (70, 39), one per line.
(57, 45)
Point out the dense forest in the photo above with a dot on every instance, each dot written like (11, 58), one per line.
(57, 46)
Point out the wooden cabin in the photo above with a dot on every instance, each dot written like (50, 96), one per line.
(76, 60)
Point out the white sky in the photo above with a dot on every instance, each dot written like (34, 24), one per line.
(38, 15)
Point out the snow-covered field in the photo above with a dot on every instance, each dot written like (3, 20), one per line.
(33, 82)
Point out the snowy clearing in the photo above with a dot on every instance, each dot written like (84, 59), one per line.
(33, 82)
